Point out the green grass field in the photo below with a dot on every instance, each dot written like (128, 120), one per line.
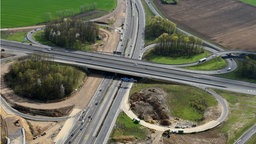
(251, 2)
(179, 98)
(125, 128)
(242, 114)
(17, 13)
(170, 60)
(14, 36)
(214, 64)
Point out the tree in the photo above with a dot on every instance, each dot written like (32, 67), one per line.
(37, 79)
(158, 26)
(71, 33)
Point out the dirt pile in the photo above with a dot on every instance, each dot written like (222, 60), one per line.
(149, 105)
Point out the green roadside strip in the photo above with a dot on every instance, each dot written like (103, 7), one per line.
(14, 36)
(125, 128)
(172, 60)
(242, 114)
(214, 64)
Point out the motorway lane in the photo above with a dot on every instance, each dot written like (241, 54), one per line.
(133, 50)
(140, 33)
(90, 133)
(126, 28)
(247, 135)
(145, 69)
(110, 119)
(133, 31)
(87, 115)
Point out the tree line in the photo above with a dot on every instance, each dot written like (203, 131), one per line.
(71, 33)
(247, 68)
(158, 26)
(175, 45)
(36, 78)
(171, 42)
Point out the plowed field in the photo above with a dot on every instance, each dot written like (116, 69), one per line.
(229, 23)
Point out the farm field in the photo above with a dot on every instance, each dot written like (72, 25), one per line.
(16, 13)
(229, 23)
(251, 2)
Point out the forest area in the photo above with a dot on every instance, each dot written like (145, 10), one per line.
(171, 42)
(38, 79)
(248, 67)
(71, 33)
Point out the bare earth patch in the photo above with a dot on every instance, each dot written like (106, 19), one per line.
(150, 105)
(229, 23)
(208, 137)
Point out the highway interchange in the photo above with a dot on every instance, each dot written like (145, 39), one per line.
(96, 121)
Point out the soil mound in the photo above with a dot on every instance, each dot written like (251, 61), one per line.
(149, 104)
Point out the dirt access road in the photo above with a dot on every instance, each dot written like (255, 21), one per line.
(229, 23)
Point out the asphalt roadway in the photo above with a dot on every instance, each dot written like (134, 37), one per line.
(137, 68)
(135, 64)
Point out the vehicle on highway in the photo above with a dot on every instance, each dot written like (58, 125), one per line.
(202, 60)
(229, 69)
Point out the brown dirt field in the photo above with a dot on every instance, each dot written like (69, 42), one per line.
(229, 23)
(208, 137)
(10, 119)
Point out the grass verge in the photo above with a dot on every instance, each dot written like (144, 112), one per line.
(171, 60)
(125, 128)
(180, 99)
(242, 114)
(214, 64)
(14, 36)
